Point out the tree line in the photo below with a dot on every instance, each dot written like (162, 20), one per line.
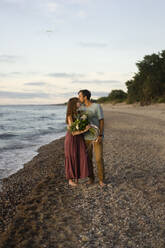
(147, 85)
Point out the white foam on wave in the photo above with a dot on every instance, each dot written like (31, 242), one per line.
(13, 160)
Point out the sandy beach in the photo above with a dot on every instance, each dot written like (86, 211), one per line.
(38, 209)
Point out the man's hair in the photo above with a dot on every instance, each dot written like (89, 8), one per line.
(86, 93)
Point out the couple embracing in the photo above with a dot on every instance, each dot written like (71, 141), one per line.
(79, 145)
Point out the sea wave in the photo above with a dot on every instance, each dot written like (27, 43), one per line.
(16, 146)
(45, 118)
(25, 128)
(42, 132)
(2, 127)
(7, 135)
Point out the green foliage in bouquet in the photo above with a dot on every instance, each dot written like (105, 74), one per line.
(80, 123)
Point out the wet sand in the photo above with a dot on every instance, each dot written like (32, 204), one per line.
(38, 208)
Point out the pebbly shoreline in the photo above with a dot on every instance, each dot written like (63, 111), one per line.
(17, 186)
(38, 208)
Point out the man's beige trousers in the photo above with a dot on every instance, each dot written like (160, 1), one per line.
(98, 151)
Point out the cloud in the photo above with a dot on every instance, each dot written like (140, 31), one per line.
(93, 44)
(79, 1)
(100, 73)
(15, 73)
(23, 95)
(65, 75)
(82, 14)
(14, 1)
(75, 94)
(100, 93)
(8, 58)
(96, 81)
(32, 95)
(36, 83)
(69, 94)
(52, 6)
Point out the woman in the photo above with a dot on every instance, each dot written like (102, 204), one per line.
(76, 158)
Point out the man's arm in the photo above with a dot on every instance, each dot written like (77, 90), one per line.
(101, 126)
(100, 116)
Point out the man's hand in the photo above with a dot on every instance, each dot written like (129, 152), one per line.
(99, 139)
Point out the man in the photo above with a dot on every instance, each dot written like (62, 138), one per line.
(96, 117)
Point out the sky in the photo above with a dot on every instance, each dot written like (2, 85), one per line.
(50, 49)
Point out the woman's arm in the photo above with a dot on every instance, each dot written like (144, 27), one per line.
(70, 120)
(77, 133)
(80, 132)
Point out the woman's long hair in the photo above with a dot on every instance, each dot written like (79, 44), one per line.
(71, 108)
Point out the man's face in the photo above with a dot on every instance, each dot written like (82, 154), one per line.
(81, 97)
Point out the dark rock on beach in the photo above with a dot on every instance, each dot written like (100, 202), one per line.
(38, 209)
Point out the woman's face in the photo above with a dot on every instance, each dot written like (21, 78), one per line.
(78, 104)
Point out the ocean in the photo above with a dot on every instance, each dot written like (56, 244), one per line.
(23, 129)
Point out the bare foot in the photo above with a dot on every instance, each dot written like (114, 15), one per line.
(72, 183)
(102, 184)
(76, 180)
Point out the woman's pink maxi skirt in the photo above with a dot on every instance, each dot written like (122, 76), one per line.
(76, 158)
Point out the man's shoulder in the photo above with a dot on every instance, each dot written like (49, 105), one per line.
(97, 105)
(94, 104)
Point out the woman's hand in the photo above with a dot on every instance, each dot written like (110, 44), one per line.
(87, 128)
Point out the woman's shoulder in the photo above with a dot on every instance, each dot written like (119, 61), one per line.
(81, 108)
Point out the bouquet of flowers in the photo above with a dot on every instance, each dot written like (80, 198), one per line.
(80, 124)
